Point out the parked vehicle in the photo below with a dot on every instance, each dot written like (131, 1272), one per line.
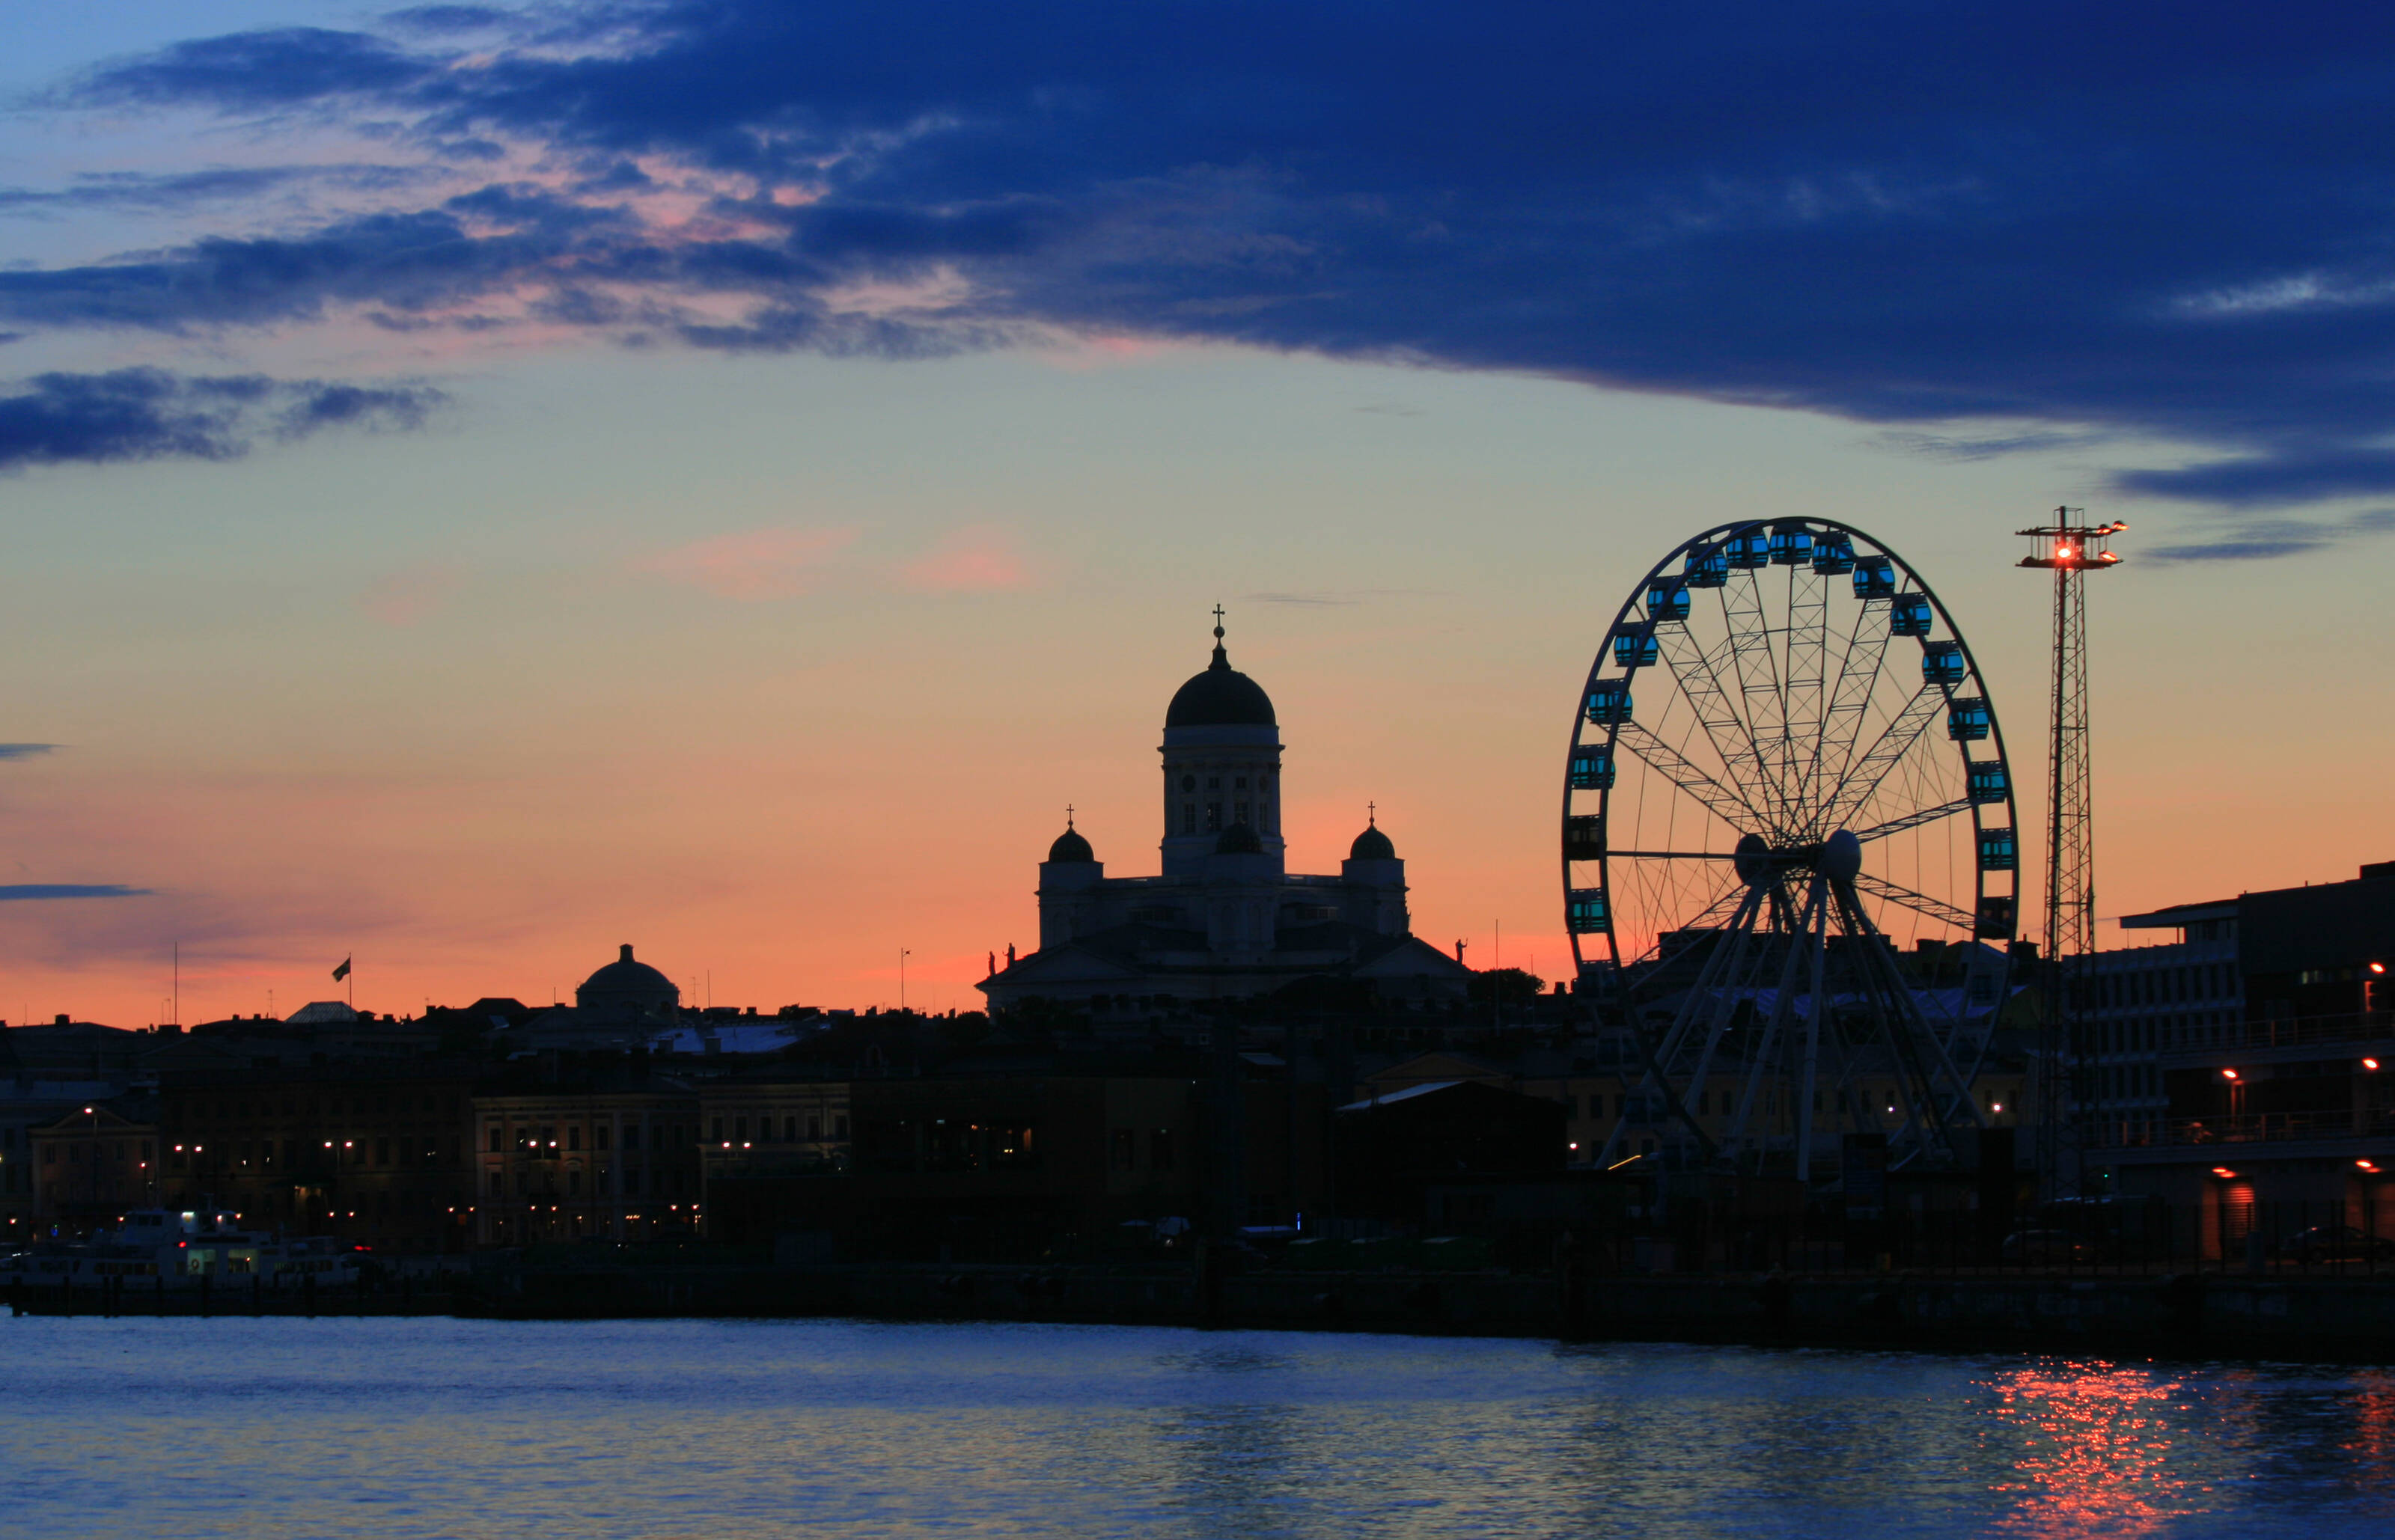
(2337, 1243)
(2042, 1248)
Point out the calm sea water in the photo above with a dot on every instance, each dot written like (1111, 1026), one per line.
(731, 1429)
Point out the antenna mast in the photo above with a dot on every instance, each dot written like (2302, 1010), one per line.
(2069, 551)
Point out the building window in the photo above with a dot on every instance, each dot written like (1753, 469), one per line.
(573, 1137)
(1240, 815)
(790, 1131)
(815, 1128)
(631, 1136)
(574, 1183)
(1239, 784)
(1213, 817)
(1121, 1154)
(718, 1136)
(840, 1126)
(602, 1135)
(1159, 1149)
(1189, 818)
(740, 1129)
(382, 1151)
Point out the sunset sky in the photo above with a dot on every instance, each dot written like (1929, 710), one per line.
(485, 485)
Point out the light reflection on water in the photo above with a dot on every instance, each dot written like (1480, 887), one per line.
(403, 1430)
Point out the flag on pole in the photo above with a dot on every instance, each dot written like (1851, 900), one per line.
(343, 971)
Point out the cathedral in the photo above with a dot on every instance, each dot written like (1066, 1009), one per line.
(1225, 919)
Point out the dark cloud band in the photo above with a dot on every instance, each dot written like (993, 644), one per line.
(2142, 218)
(151, 413)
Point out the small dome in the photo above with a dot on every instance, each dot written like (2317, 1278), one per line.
(1238, 840)
(1222, 696)
(626, 988)
(1371, 845)
(1071, 846)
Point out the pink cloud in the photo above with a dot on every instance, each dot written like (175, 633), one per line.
(404, 597)
(752, 565)
(972, 560)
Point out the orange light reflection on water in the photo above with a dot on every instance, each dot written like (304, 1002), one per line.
(2091, 1442)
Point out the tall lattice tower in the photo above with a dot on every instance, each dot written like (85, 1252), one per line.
(2069, 551)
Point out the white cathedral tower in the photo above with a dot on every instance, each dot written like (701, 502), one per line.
(1224, 918)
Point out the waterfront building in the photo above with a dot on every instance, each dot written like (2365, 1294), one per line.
(2269, 1025)
(90, 1164)
(608, 1152)
(1224, 918)
(373, 1153)
(764, 1122)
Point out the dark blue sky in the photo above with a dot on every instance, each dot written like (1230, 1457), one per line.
(2164, 220)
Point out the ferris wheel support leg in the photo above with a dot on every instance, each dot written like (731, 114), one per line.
(1814, 1007)
(1656, 1082)
(1762, 1056)
(1736, 983)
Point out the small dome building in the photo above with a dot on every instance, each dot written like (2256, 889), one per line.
(628, 989)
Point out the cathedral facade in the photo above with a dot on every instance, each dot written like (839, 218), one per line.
(1225, 918)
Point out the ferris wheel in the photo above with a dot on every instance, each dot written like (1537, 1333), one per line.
(1789, 848)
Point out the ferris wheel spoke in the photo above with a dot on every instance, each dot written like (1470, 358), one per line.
(1919, 903)
(1729, 804)
(1670, 855)
(1759, 684)
(1859, 672)
(1914, 819)
(1698, 672)
(1860, 783)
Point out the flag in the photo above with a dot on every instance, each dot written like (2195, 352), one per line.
(341, 972)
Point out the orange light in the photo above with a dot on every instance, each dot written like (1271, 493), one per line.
(2061, 553)
(2222, 1171)
(2229, 1075)
(2367, 1165)
(2370, 1063)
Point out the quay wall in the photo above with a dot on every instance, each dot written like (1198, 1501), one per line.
(2347, 1320)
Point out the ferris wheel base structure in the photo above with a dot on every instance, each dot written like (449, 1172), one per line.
(1788, 856)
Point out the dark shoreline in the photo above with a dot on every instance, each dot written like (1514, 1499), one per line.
(2184, 1316)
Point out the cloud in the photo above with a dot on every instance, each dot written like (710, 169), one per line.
(974, 559)
(149, 413)
(402, 599)
(2120, 222)
(32, 890)
(752, 565)
(2268, 539)
(25, 751)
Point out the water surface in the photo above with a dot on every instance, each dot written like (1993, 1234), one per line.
(409, 1428)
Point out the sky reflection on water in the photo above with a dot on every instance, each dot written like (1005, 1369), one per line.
(411, 1430)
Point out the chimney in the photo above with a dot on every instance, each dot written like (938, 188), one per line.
(64, 1020)
(626, 955)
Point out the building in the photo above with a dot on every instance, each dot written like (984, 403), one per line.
(375, 1152)
(92, 1162)
(765, 1122)
(1224, 918)
(609, 1152)
(2241, 1072)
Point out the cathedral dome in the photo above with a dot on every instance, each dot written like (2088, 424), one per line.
(1373, 844)
(1222, 696)
(1238, 840)
(626, 988)
(1071, 846)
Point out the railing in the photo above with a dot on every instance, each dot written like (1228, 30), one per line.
(2221, 1235)
(2239, 1128)
(2300, 1031)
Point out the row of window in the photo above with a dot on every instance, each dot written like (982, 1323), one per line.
(2164, 986)
(658, 1183)
(787, 1130)
(340, 1106)
(541, 1138)
(76, 1151)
